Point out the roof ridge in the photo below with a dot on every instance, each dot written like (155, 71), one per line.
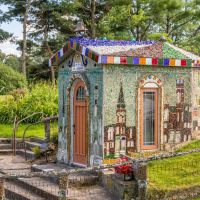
(188, 54)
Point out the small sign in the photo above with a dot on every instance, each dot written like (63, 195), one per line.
(78, 67)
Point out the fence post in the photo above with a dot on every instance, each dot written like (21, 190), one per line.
(140, 174)
(63, 184)
(47, 128)
(2, 191)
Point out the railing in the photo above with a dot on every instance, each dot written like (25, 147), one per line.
(46, 121)
(15, 128)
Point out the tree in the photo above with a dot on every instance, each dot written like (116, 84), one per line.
(132, 20)
(18, 10)
(10, 79)
(90, 11)
(13, 61)
(45, 17)
(4, 35)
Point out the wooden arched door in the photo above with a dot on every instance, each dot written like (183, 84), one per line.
(80, 124)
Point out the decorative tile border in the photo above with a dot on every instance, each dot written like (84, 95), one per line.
(196, 63)
(124, 60)
(144, 61)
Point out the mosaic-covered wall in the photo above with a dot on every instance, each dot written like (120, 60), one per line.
(80, 67)
(120, 134)
(196, 103)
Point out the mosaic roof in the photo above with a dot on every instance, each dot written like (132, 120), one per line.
(127, 52)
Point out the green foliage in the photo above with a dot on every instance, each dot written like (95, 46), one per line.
(10, 79)
(6, 130)
(41, 97)
(36, 150)
(13, 61)
(4, 35)
(111, 156)
(53, 21)
(157, 36)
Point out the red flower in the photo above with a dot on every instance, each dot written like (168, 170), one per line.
(123, 169)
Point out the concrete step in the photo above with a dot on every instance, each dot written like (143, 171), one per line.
(37, 140)
(31, 145)
(39, 186)
(6, 151)
(83, 179)
(88, 193)
(76, 179)
(30, 154)
(5, 146)
(5, 141)
(16, 192)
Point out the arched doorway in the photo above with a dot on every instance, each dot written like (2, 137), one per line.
(80, 147)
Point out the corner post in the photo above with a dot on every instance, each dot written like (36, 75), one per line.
(140, 174)
(2, 190)
(47, 128)
(63, 186)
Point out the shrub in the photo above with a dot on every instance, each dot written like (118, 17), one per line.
(41, 97)
(36, 150)
(10, 79)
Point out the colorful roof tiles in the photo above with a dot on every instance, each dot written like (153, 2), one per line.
(127, 52)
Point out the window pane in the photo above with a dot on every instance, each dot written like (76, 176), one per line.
(80, 96)
(148, 118)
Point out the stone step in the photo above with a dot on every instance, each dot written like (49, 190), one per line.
(40, 186)
(6, 151)
(31, 145)
(88, 193)
(30, 154)
(37, 140)
(5, 146)
(16, 192)
(5, 141)
(83, 179)
(76, 179)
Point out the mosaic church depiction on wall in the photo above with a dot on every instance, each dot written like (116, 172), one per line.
(119, 97)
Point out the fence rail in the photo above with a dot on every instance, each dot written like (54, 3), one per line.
(155, 178)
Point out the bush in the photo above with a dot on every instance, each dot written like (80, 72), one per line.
(41, 97)
(10, 79)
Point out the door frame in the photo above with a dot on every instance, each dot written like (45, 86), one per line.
(71, 121)
(155, 146)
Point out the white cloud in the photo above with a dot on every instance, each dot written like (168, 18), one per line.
(9, 48)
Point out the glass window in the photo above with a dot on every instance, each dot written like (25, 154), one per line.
(80, 96)
(149, 118)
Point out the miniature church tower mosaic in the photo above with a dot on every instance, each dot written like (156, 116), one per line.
(118, 138)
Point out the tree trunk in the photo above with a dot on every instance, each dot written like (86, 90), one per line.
(24, 48)
(50, 53)
(93, 24)
(167, 24)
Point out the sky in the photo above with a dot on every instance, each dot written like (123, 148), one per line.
(16, 29)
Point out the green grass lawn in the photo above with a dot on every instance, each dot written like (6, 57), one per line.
(175, 174)
(6, 130)
(4, 98)
(192, 145)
